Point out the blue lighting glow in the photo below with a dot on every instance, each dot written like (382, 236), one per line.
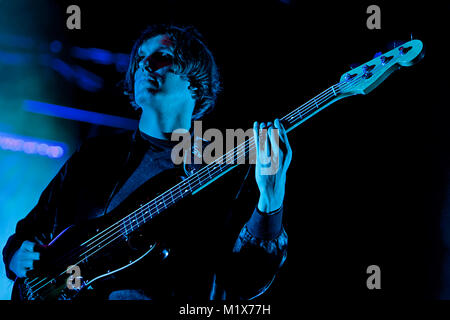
(16, 41)
(84, 78)
(11, 58)
(94, 54)
(29, 145)
(56, 46)
(101, 56)
(79, 115)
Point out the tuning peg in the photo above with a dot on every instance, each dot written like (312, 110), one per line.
(379, 53)
(404, 50)
(354, 65)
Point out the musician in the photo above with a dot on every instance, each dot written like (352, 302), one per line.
(231, 250)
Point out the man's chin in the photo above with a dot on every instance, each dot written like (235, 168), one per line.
(145, 96)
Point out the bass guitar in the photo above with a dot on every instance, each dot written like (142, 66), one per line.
(85, 246)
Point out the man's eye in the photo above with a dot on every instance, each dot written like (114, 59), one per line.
(161, 59)
(157, 60)
(163, 56)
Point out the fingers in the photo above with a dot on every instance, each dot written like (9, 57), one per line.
(28, 246)
(28, 250)
(23, 260)
(266, 138)
(274, 140)
(283, 136)
(28, 264)
(33, 255)
(272, 132)
(256, 136)
(262, 142)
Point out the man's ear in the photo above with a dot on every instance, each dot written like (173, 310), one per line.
(194, 92)
(136, 107)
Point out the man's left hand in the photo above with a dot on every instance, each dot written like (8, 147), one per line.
(273, 156)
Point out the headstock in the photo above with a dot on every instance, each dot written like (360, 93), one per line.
(366, 77)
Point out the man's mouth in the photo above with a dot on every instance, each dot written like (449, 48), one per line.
(151, 79)
(154, 83)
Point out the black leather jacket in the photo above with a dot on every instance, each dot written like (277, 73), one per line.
(224, 247)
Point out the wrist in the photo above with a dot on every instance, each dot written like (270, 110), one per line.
(265, 226)
(268, 204)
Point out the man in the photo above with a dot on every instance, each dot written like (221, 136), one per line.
(172, 79)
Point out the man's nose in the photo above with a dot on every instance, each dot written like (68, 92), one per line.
(146, 64)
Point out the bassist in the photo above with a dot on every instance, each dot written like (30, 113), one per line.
(229, 251)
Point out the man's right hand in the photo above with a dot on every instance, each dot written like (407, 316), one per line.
(23, 259)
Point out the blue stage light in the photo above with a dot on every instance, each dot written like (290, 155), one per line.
(31, 145)
(54, 110)
(56, 46)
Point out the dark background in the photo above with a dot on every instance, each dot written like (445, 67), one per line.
(366, 182)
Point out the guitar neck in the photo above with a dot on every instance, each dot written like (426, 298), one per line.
(222, 165)
(311, 107)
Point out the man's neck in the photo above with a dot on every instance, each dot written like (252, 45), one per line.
(161, 126)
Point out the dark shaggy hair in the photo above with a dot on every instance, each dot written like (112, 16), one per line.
(192, 60)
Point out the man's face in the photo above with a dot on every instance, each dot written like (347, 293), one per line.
(155, 85)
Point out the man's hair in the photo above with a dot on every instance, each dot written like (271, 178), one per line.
(192, 60)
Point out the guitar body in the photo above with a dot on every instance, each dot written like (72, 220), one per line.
(123, 254)
(50, 279)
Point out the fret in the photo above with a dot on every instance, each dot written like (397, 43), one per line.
(237, 154)
(161, 201)
(175, 199)
(183, 189)
(218, 167)
(317, 106)
(189, 185)
(131, 224)
(156, 206)
(175, 193)
(334, 92)
(150, 212)
(125, 233)
(198, 178)
(143, 215)
(139, 216)
(209, 173)
(229, 157)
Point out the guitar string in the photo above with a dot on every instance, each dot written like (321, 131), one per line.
(246, 144)
(290, 117)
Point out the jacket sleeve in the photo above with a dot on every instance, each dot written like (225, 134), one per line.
(39, 225)
(258, 257)
(259, 250)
